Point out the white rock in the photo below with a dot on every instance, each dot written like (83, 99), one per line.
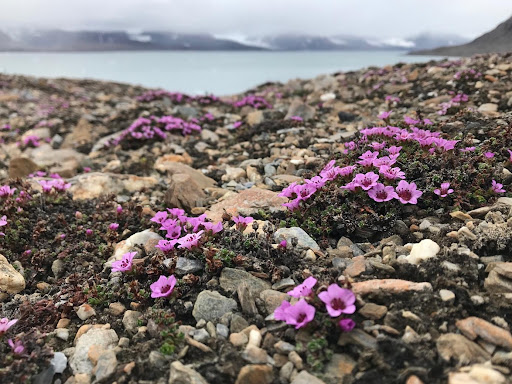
(59, 362)
(424, 250)
(446, 295)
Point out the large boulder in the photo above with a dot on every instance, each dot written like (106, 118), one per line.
(184, 192)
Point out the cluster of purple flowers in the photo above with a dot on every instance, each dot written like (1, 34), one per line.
(6, 192)
(58, 185)
(254, 101)
(155, 128)
(467, 74)
(338, 302)
(183, 231)
(176, 97)
(31, 141)
(3, 222)
(456, 101)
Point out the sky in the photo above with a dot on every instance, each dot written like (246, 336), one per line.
(383, 18)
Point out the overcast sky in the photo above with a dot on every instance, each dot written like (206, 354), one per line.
(383, 18)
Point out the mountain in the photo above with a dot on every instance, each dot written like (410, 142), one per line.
(497, 40)
(69, 41)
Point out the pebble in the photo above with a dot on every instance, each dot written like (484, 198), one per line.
(238, 339)
(85, 311)
(211, 305)
(11, 281)
(424, 250)
(254, 374)
(181, 374)
(447, 295)
(473, 327)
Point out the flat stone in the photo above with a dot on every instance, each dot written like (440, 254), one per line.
(185, 266)
(359, 337)
(446, 295)
(473, 327)
(211, 305)
(272, 299)
(298, 108)
(231, 278)
(356, 267)
(184, 193)
(424, 250)
(181, 374)
(106, 366)
(339, 367)
(21, 167)
(306, 378)
(104, 338)
(477, 374)
(131, 319)
(500, 278)
(373, 311)
(246, 203)
(246, 299)
(304, 240)
(388, 286)
(11, 281)
(255, 374)
(460, 349)
(85, 311)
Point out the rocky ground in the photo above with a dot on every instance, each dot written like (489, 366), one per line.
(92, 163)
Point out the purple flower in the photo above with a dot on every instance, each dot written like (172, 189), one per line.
(113, 226)
(5, 324)
(292, 205)
(394, 150)
(299, 314)
(88, 232)
(242, 222)
(350, 186)
(381, 193)
(280, 312)
(17, 347)
(296, 118)
(305, 191)
(166, 246)
(444, 191)
(163, 287)
(176, 212)
(6, 190)
(283, 244)
(3, 221)
(384, 115)
(190, 240)
(378, 146)
(159, 217)
(347, 325)
(213, 228)
(304, 289)
(468, 149)
(237, 124)
(408, 192)
(366, 181)
(497, 187)
(510, 153)
(410, 121)
(338, 300)
(489, 155)
(119, 209)
(125, 264)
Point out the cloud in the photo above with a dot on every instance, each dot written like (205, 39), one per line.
(383, 18)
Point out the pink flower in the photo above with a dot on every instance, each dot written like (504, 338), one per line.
(350, 186)
(242, 222)
(163, 287)
(166, 246)
(47, 185)
(304, 289)
(296, 118)
(410, 121)
(289, 191)
(237, 124)
(444, 191)
(497, 187)
(338, 300)
(378, 146)
(292, 205)
(125, 264)
(489, 155)
(119, 209)
(88, 232)
(299, 314)
(17, 347)
(5, 324)
(3, 221)
(468, 149)
(384, 160)
(113, 226)
(346, 171)
(176, 212)
(283, 244)
(384, 115)
(347, 325)
(190, 240)
(366, 181)
(381, 193)
(408, 192)
(394, 150)
(6, 190)
(280, 312)
(159, 217)
(305, 191)
(369, 155)
(213, 228)
(510, 153)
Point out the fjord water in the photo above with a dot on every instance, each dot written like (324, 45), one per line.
(220, 73)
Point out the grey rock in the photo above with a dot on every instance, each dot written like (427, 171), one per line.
(231, 278)
(306, 378)
(106, 366)
(246, 299)
(157, 359)
(185, 266)
(460, 349)
(180, 374)
(304, 240)
(238, 323)
(59, 362)
(211, 305)
(222, 331)
(105, 338)
(201, 335)
(130, 320)
(298, 108)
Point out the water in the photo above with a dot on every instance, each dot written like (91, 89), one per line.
(220, 73)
